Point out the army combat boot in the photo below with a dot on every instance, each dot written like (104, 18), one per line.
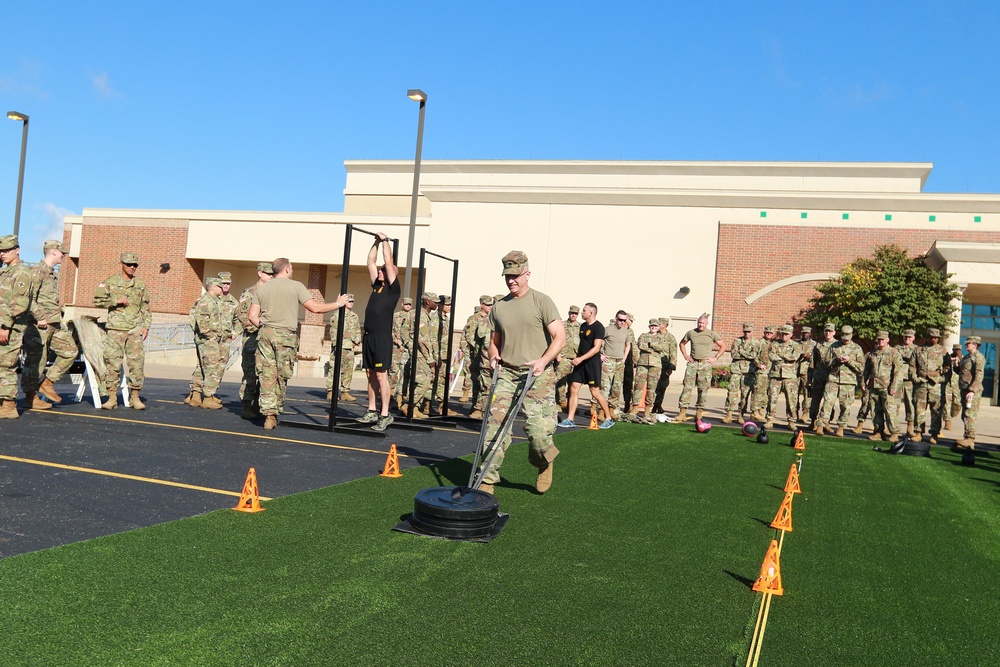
(728, 419)
(111, 403)
(8, 409)
(682, 416)
(698, 414)
(32, 402)
(135, 401)
(212, 403)
(48, 391)
(859, 428)
(840, 431)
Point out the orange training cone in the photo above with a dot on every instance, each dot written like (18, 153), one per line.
(792, 483)
(642, 401)
(769, 580)
(391, 464)
(593, 422)
(800, 440)
(250, 498)
(783, 519)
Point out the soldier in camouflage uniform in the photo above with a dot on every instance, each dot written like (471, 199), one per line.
(352, 343)
(208, 322)
(615, 353)
(467, 344)
(847, 365)
(46, 332)
(129, 318)
(228, 305)
(527, 336)
(15, 304)
(706, 346)
(762, 374)
(784, 377)
(970, 388)
(668, 364)
(742, 374)
(250, 387)
(571, 326)
(442, 386)
(481, 335)
(885, 372)
(820, 371)
(908, 351)
(931, 361)
(805, 370)
(952, 400)
(650, 347)
(402, 340)
(426, 357)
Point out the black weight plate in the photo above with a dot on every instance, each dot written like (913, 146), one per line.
(448, 523)
(450, 503)
(917, 448)
(453, 531)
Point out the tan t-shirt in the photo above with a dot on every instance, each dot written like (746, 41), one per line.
(521, 323)
(702, 343)
(279, 300)
(615, 340)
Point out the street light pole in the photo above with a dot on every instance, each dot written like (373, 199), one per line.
(16, 115)
(416, 95)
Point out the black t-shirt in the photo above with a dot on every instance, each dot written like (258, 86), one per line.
(381, 304)
(589, 334)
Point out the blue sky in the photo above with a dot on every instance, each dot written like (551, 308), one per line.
(254, 105)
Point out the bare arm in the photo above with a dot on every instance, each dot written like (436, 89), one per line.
(598, 344)
(314, 306)
(254, 314)
(390, 265)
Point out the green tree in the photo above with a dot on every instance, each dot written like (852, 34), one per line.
(889, 291)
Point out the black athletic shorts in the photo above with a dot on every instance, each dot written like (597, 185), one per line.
(376, 351)
(589, 372)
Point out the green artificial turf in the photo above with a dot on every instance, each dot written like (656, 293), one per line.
(642, 553)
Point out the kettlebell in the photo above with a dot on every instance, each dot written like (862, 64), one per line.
(762, 436)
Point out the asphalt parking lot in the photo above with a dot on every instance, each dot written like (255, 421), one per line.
(75, 473)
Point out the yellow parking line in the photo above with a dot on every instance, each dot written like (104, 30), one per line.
(237, 433)
(108, 473)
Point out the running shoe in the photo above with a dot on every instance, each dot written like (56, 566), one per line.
(383, 423)
(566, 423)
(606, 424)
(370, 417)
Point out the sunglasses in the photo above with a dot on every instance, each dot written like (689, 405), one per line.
(129, 264)
(621, 319)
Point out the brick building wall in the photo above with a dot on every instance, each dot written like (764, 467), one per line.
(157, 242)
(752, 256)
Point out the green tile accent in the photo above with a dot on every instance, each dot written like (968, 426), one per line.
(803, 215)
(978, 218)
(888, 217)
(763, 214)
(845, 216)
(932, 218)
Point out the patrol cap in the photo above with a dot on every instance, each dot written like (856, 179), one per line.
(226, 277)
(58, 245)
(787, 329)
(8, 242)
(807, 329)
(829, 326)
(748, 326)
(664, 320)
(910, 332)
(129, 258)
(498, 297)
(213, 281)
(630, 316)
(445, 299)
(847, 330)
(429, 296)
(974, 339)
(768, 329)
(574, 309)
(407, 301)
(956, 347)
(350, 297)
(935, 333)
(882, 335)
(486, 300)
(514, 263)
(265, 267)
(654, 322)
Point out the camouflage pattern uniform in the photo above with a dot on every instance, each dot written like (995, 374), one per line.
(952, 401)
(843, 380)
(15, 304)
(698, 373)
(207, 319)
(742, 374)
(819, 373)
(38, 341)
(250, 386)
(427, 356)
(762, 376)
(613, 368)
(352, 339)
(467, 344)
(483, 334)
(650, 348)
(931, 362)
(884, 374)
(442, 385)
(907, 397)
(402, 340)
(784, 378)
(805, 372)
(970, 379)
(563, 366)
(124, 328)
(668, 363)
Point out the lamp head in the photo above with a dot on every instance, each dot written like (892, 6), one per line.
(17, 115)
(416, 95)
